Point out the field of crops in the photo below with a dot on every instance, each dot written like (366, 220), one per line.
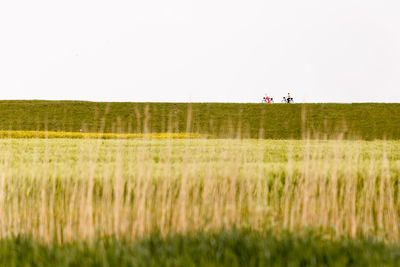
(58, 191)
(193, 186)
(367, 121)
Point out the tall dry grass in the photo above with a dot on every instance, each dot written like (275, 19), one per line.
(64, 189)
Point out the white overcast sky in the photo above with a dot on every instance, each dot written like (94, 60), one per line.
(200, 51)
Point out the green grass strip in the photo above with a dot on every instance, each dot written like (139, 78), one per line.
(226, 248)
(366, 121)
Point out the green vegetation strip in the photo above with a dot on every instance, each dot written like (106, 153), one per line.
(226, 248)
(278, 121)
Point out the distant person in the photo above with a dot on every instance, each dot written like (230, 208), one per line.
(289, 99)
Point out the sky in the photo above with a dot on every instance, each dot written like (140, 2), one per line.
(200, 51)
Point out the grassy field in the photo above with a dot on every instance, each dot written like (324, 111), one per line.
(180, 185)
(224, 248)
(58, 191)
(278, 121)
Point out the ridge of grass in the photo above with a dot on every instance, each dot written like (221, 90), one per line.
(366, 121)
(224, 248)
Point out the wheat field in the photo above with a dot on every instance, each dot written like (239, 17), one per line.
(82, 189)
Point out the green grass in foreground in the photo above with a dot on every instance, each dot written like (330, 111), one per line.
(229, 248)
(278, 121)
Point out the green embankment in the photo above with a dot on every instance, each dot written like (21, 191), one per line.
(233, 248)
(278, 121)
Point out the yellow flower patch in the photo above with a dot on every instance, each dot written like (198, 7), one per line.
(79, 135)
